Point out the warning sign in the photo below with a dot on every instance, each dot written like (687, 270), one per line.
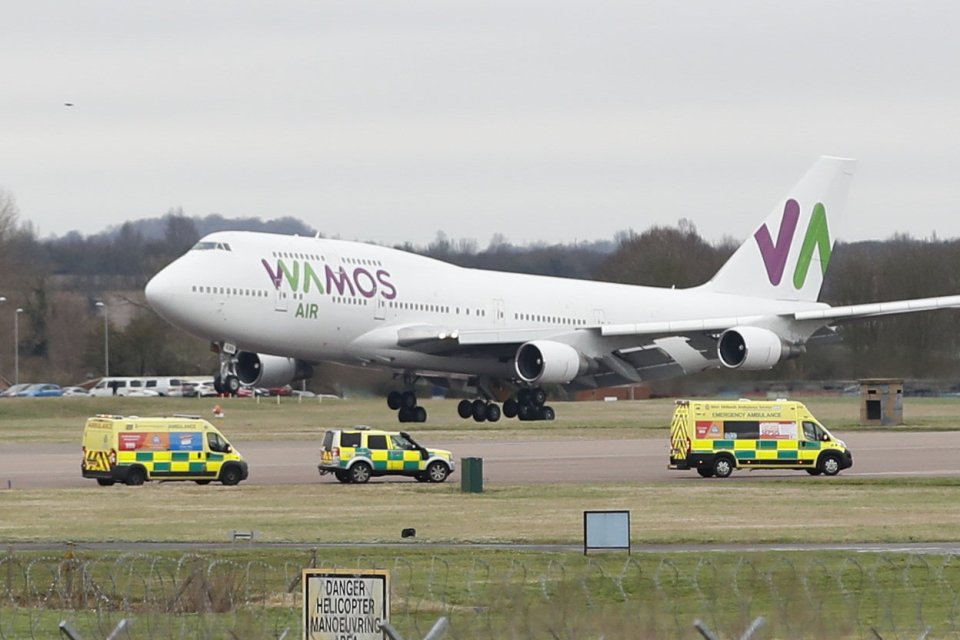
(345, 604)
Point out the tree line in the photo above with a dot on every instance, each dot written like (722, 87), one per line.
(57, 282)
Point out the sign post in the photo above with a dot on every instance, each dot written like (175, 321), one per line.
(345, 604)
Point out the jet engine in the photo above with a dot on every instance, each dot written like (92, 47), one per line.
(259, 370)
(547, 362)
(753, 348)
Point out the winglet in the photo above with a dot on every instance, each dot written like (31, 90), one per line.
(787, 256)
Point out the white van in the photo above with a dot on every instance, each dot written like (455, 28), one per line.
(138, 386)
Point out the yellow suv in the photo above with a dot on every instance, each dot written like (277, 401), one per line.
(356, 454)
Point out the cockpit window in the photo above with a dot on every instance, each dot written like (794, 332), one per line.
(206, 245)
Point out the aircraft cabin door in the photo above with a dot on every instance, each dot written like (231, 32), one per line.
(599, 316)
(379, 309)
(499, 316)
(280, 302)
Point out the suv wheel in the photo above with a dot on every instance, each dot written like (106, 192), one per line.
(437, 472)
(342, 476)
(360, 472)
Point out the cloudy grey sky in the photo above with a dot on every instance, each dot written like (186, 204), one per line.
(538, 119)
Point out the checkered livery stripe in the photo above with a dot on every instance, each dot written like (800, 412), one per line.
(759, 449)
(174, 463)
(385, 459)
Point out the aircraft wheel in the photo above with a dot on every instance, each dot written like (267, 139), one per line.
(547, 413)
(419, 414)
(479, 410)
(526, 412)
(393, 400)
(510, 408)
(538, 396)
(493, 412)
(405, 414)
(408, 399)
(465, 409)
(231, 385)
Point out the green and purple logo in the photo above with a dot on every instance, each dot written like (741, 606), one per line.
(300, 276)
(775, 255)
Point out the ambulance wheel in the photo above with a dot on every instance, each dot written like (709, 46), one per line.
(230, 476)
(465, 409)
(360, 473)
(705, 472)
(813, 472)
(437, 472)
(393, 400)
(830, 465)
(422, 477)
(342, 476)
(722, 466)
(105, 482)
(136, 477)
(202, 481)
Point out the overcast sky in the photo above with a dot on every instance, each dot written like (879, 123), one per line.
(543, 120)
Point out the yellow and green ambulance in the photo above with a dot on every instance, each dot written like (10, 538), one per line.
(133, 450)
(716, 437)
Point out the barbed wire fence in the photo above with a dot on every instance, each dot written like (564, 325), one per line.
(555, 596)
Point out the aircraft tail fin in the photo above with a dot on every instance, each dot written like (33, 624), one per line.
(787, 256)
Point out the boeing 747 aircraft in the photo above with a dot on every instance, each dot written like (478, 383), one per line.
(273, 306)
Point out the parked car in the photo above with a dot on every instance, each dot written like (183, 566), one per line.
(13, 390)
(75, 391)
(202, 388)
(41, 390)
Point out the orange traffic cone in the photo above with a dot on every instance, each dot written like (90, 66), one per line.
(217, 412)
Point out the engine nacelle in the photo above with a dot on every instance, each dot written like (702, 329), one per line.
(259, 370)
(753, 348)
(548, 362)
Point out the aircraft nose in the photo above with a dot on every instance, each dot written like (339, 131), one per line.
(160, 292)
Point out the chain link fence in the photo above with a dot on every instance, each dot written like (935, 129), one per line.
(493, 594)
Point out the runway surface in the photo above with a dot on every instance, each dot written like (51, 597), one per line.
(875, 454)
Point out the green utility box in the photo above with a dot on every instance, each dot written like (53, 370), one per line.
(471, 475)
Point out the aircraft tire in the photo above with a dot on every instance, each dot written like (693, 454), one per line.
(408, 399)
(419, 414)
(510, 408)
(493, 412)
(538, 396)
(547, 413)
(393, 400)
(465, 409)
(479, 410)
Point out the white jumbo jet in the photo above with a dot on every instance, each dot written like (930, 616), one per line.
(274, 305)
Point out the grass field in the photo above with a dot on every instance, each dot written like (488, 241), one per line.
(61, 419)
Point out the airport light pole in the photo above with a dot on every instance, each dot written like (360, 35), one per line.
(106, 340)
(16, 345)
(2, 300)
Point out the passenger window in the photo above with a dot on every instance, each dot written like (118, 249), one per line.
(810, 431)
(350, 440)
(376, 441)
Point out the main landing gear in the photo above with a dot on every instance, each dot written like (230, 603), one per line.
(405, 404)
(528, 405)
